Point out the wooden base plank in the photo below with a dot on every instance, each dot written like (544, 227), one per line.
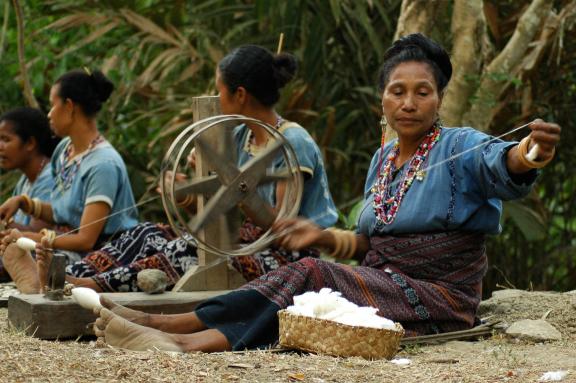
(45, 319)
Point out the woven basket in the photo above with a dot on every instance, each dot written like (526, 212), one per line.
(333, 338)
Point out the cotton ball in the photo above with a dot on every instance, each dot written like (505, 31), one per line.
(330, 305)
(26, 243)
(87, 298)
(553, 376)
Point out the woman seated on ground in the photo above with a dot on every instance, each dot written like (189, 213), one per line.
(248, 80)
(26, 144)
(422, 262)
(92, 199)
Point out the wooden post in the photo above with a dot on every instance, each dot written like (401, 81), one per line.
(210, 274)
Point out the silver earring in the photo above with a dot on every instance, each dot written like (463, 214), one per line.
(383, 122)
(438, 123)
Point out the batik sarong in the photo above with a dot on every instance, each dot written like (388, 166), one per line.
(430, 283)
(115, 266)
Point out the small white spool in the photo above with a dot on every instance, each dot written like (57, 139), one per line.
(533, 153)
(87, 298)
(26, 243)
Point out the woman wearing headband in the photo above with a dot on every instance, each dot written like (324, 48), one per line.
(421, 233)
(248, 80)
(92, 199)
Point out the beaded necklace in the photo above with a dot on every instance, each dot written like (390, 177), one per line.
(69, 166)
(385, 202)
(27, 183)
(251, 146)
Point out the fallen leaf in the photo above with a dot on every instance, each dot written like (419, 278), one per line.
(296, 376)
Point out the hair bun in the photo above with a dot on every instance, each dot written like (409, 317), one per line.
(431, 49)
(285, 67)
(102, 86)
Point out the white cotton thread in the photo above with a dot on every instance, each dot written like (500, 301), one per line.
(533, 153)
(320, 215)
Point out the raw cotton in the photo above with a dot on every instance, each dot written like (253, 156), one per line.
(330, 305)
(553, 376)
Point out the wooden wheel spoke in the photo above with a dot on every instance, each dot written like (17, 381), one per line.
(225, 169)
(199, 185)
(258, 210)
(225, 199)
(276, 176)
(256, 168)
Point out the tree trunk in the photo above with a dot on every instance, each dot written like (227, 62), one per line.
(468, 31)
(497, 76)
(27, 88)
(416, 16)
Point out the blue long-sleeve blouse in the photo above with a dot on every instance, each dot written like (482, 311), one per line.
(463, 193)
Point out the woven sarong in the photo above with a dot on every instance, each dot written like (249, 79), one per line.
(115, 266)
(430, 283)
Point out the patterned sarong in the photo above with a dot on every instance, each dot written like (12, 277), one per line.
(115, 266)
(430, 283)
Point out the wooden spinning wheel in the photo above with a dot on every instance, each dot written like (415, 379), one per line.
(226, 193)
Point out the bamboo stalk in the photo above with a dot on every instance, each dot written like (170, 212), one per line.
(27, 88)
(485, 329)
(280, 43)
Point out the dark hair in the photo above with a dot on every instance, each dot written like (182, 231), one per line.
(258, 71)
(30, 122)
(89, 90)
(417, 47)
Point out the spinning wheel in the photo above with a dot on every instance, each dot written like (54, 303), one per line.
(226, 193)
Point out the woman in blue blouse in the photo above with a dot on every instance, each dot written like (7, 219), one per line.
(421, 233)
(92, 200)
(26, 144)
(248, 81)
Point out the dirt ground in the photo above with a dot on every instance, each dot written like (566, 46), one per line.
(498, 359)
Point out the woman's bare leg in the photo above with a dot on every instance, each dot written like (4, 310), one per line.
(186, 323)
(119, 332)
(84, 282)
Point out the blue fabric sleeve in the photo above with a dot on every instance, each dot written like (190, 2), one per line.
(487, 167)
(44, 185)
(102, 183)
(19, 186)
(304, 147)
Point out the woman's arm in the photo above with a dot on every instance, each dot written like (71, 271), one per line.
(297, 234)
(92, 223)
(26, 204)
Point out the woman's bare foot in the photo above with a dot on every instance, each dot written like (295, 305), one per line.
(22, 268)
(121, 333)
(43, 259)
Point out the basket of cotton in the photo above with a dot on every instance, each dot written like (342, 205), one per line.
(326, 323)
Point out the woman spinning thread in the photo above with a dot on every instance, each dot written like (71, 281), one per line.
(421, 243)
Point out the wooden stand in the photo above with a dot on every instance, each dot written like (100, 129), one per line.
(42, 318)
(212, 273)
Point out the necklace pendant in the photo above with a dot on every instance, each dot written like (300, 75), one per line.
(420, 174)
